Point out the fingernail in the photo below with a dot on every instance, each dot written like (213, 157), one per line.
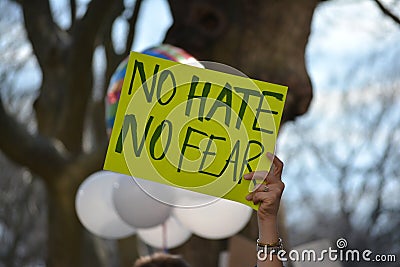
(270, 155)
(247, 176)
(248, 197)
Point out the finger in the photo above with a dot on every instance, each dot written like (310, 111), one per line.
(274, 191)
(265, 188)
(276, 169)
(249, 196)
(261, 188)
(261, 197)
(278, 166)
(248, 176)
(274, 194)
(258, 175)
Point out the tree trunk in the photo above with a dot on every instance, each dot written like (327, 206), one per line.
(266, 40)
(66, 234)
(69, 243)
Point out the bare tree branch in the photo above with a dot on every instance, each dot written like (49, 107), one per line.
(80, 84)
(387, 12)
(50, 44)
(380, 170)
(88, 163)
(113, 59)
(36, 152)
(97, 125)
(132, 22)
(41, 29)
(72, 10)
(90, 23)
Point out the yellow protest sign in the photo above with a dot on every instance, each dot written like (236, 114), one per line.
(194, 128)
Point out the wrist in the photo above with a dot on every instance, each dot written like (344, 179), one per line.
(268, 239)
(268, 222)
(268, 231)
(267, 217)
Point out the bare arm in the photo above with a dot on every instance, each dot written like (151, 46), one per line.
(268, 196)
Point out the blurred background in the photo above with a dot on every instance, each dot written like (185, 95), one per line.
(340, 138)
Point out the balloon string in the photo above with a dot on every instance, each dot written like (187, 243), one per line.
(164, 237)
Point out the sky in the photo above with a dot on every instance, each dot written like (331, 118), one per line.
(347, 35)
(352, 48)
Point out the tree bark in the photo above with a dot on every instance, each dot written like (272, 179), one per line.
(266, 40)
(65, 235)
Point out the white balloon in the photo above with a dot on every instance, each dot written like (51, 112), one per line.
(160, 192)
(174, 196)
(217, 220)
(190, 199)
(138, 207)
(95, 209)
(171, 234)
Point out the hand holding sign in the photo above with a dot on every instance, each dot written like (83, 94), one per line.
(268, 193)
(268, 196)
(193, 128)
